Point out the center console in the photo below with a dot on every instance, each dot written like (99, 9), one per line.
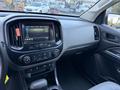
(34, 44)
(32, 41)
(43, 77)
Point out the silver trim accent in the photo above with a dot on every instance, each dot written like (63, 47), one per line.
(110, 53)
(56, 78)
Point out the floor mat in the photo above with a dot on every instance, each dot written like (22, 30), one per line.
(70, 79)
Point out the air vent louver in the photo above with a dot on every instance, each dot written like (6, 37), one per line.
(15, 35)
(96, 33)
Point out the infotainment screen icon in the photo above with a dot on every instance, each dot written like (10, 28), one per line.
(37, 32)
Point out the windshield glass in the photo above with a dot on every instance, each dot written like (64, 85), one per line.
(64, 7)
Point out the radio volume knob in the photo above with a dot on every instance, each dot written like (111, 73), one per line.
(26, 59)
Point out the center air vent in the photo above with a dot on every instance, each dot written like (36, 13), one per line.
(96, 33)
(15, 35)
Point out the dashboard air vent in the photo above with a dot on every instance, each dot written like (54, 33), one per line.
(96, 33)
(15, 35)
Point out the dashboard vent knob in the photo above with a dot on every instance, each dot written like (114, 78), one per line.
(15, 35)
(96, 33)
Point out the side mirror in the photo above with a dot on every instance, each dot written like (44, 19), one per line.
(113, 20)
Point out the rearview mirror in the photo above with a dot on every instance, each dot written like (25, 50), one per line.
(113, 20)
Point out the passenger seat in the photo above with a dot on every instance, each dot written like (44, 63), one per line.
(106, 86)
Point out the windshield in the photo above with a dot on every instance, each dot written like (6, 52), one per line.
(64, 7)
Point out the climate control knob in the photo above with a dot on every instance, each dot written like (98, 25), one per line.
(56, 52)
(26, 59)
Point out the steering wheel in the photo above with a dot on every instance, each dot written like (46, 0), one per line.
(2, 73)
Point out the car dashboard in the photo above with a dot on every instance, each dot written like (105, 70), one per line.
(29, 40)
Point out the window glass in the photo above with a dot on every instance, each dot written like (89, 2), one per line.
(66, 7)
(113, 18)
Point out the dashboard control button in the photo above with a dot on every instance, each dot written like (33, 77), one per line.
(45, 55)
(31, 47)
(49, 45)
(49, 54)
(39, 59)
(56, 52)
(26, 59)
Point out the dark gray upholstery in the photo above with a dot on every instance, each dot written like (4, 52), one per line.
(106, 86)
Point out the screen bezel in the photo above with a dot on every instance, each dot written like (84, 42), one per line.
(51, 33)
(30, 34)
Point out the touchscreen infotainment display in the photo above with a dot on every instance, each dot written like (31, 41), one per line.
(34, 32)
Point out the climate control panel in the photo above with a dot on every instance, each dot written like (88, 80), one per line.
(38, 57)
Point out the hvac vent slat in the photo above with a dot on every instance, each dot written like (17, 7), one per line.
(15, 41)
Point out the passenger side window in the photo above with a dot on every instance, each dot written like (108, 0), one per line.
(113, 16)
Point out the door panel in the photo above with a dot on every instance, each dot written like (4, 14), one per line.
(109, 52)
(109, 37)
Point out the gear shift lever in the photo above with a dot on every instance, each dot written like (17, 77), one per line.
(39, 85)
